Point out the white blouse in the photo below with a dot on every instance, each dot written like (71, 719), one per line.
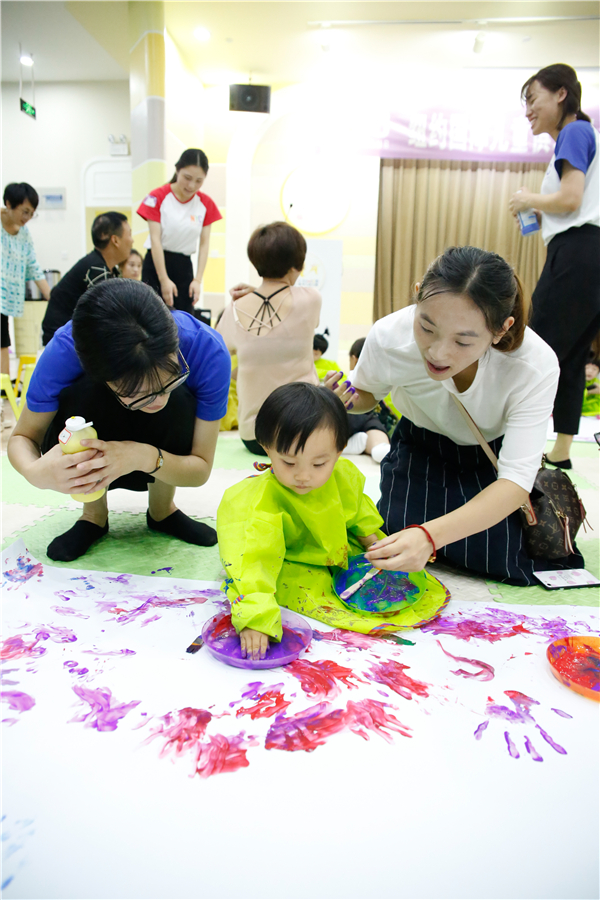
(512, 393)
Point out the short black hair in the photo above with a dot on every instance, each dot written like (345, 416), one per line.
(17, 193)
(356, 348)
(134, 252)
(275, 249)
(320, 343)
(124, 333)
(104, 226)
(292, 412)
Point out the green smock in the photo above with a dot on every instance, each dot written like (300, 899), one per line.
(591, 402)
(276, 547)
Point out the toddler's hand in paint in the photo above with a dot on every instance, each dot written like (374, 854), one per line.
(405, 551)
(254, 644)
(367, 541)
(342, 389)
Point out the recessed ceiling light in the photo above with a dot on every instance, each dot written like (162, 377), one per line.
(26, 60)
(202, 34)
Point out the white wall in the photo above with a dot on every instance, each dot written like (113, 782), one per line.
(72, 125)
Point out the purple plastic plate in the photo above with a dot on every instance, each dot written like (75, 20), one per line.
(222, 640)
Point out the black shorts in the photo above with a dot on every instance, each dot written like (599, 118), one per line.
(5, 332)
(171, 428)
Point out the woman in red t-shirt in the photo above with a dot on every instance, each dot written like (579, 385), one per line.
(179, 216)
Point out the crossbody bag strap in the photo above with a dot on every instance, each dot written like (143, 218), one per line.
(476, 433)
(526, 507)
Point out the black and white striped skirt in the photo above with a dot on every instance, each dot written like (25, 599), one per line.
(426, 475)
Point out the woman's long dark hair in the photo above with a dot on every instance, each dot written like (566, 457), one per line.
(191, 157)
(555, 77)
(486, 279)
(124, 333)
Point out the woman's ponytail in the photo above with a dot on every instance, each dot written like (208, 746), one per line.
(513, 338)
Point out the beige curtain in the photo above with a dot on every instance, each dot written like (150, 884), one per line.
(428, 205)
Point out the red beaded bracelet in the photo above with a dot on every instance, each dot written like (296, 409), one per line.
(432, 558)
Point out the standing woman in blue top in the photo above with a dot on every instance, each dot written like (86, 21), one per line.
(19, 264)
(155, 385)
(566, 301)
(179, 218)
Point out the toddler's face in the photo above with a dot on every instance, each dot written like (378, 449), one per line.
(311, 468)
(591, 371)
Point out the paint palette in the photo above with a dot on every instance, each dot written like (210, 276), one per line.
(223, 641)
(385, 592)
(575, 661)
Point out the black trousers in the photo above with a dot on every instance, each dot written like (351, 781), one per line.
(5, 331)
(426, 475)
(180, 271)
(171, 428)
(566, 314)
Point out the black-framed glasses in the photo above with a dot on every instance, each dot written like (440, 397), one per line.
(147, 399)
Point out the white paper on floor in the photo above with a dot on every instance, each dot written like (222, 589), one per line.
(457, 766)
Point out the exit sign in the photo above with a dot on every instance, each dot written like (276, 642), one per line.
(27, 108)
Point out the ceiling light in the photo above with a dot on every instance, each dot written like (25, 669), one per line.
(26, 60)
(202, 34)
(479, 42)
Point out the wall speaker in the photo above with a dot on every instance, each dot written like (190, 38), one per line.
(250, 98)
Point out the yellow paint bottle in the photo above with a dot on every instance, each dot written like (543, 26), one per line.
(75, 431)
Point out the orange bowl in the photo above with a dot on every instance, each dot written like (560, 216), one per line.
(575, 661)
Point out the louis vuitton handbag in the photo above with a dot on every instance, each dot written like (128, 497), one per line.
(552, 515)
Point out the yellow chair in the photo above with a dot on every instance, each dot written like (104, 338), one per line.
(8, 389)
(26, 360)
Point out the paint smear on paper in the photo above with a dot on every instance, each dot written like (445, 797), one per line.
(105, 712)
(480, 729)
(393, 675)
(493, 625)
(520, 715)
(68, 611)
(532, 751)
(18, 700)
(56, 633)
(560, 712)
(484, 672)
(270, 701)
(150, 603)
(351, 640)
(96, 652)
(321, 679)
(16, 647)
(312, 727)
(184, 732)
(25, 569)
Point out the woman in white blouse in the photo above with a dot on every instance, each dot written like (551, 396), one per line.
(466, 337)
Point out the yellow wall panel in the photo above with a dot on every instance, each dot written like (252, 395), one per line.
(357, 308)
(147, 69)
(214, 276)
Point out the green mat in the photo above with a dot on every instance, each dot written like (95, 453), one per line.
(541, 596)
(231, 454)
(129, 546)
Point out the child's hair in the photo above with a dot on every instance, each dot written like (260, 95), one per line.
(124, 333)
(135, 253)
(356, 348)
(191, 157)
(275, 249)
(292, 412)
(486, 279)
(320, 342)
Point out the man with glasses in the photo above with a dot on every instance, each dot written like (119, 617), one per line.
(155, 385)
(19, 264)
(112, 239)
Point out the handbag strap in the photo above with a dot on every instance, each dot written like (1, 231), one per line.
(526, 507)
(476, 433)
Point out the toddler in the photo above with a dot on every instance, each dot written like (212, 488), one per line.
(280, 531)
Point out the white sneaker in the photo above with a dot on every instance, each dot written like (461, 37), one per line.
(379, 451)
(356, 445)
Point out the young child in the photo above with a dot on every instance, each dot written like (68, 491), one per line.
(132, 267)
(321, 346)
(281, 530)
(591, 397)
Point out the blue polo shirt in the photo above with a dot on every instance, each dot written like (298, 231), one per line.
(202, 347)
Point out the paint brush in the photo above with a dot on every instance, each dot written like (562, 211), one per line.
(356, 587)
(196, 644)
